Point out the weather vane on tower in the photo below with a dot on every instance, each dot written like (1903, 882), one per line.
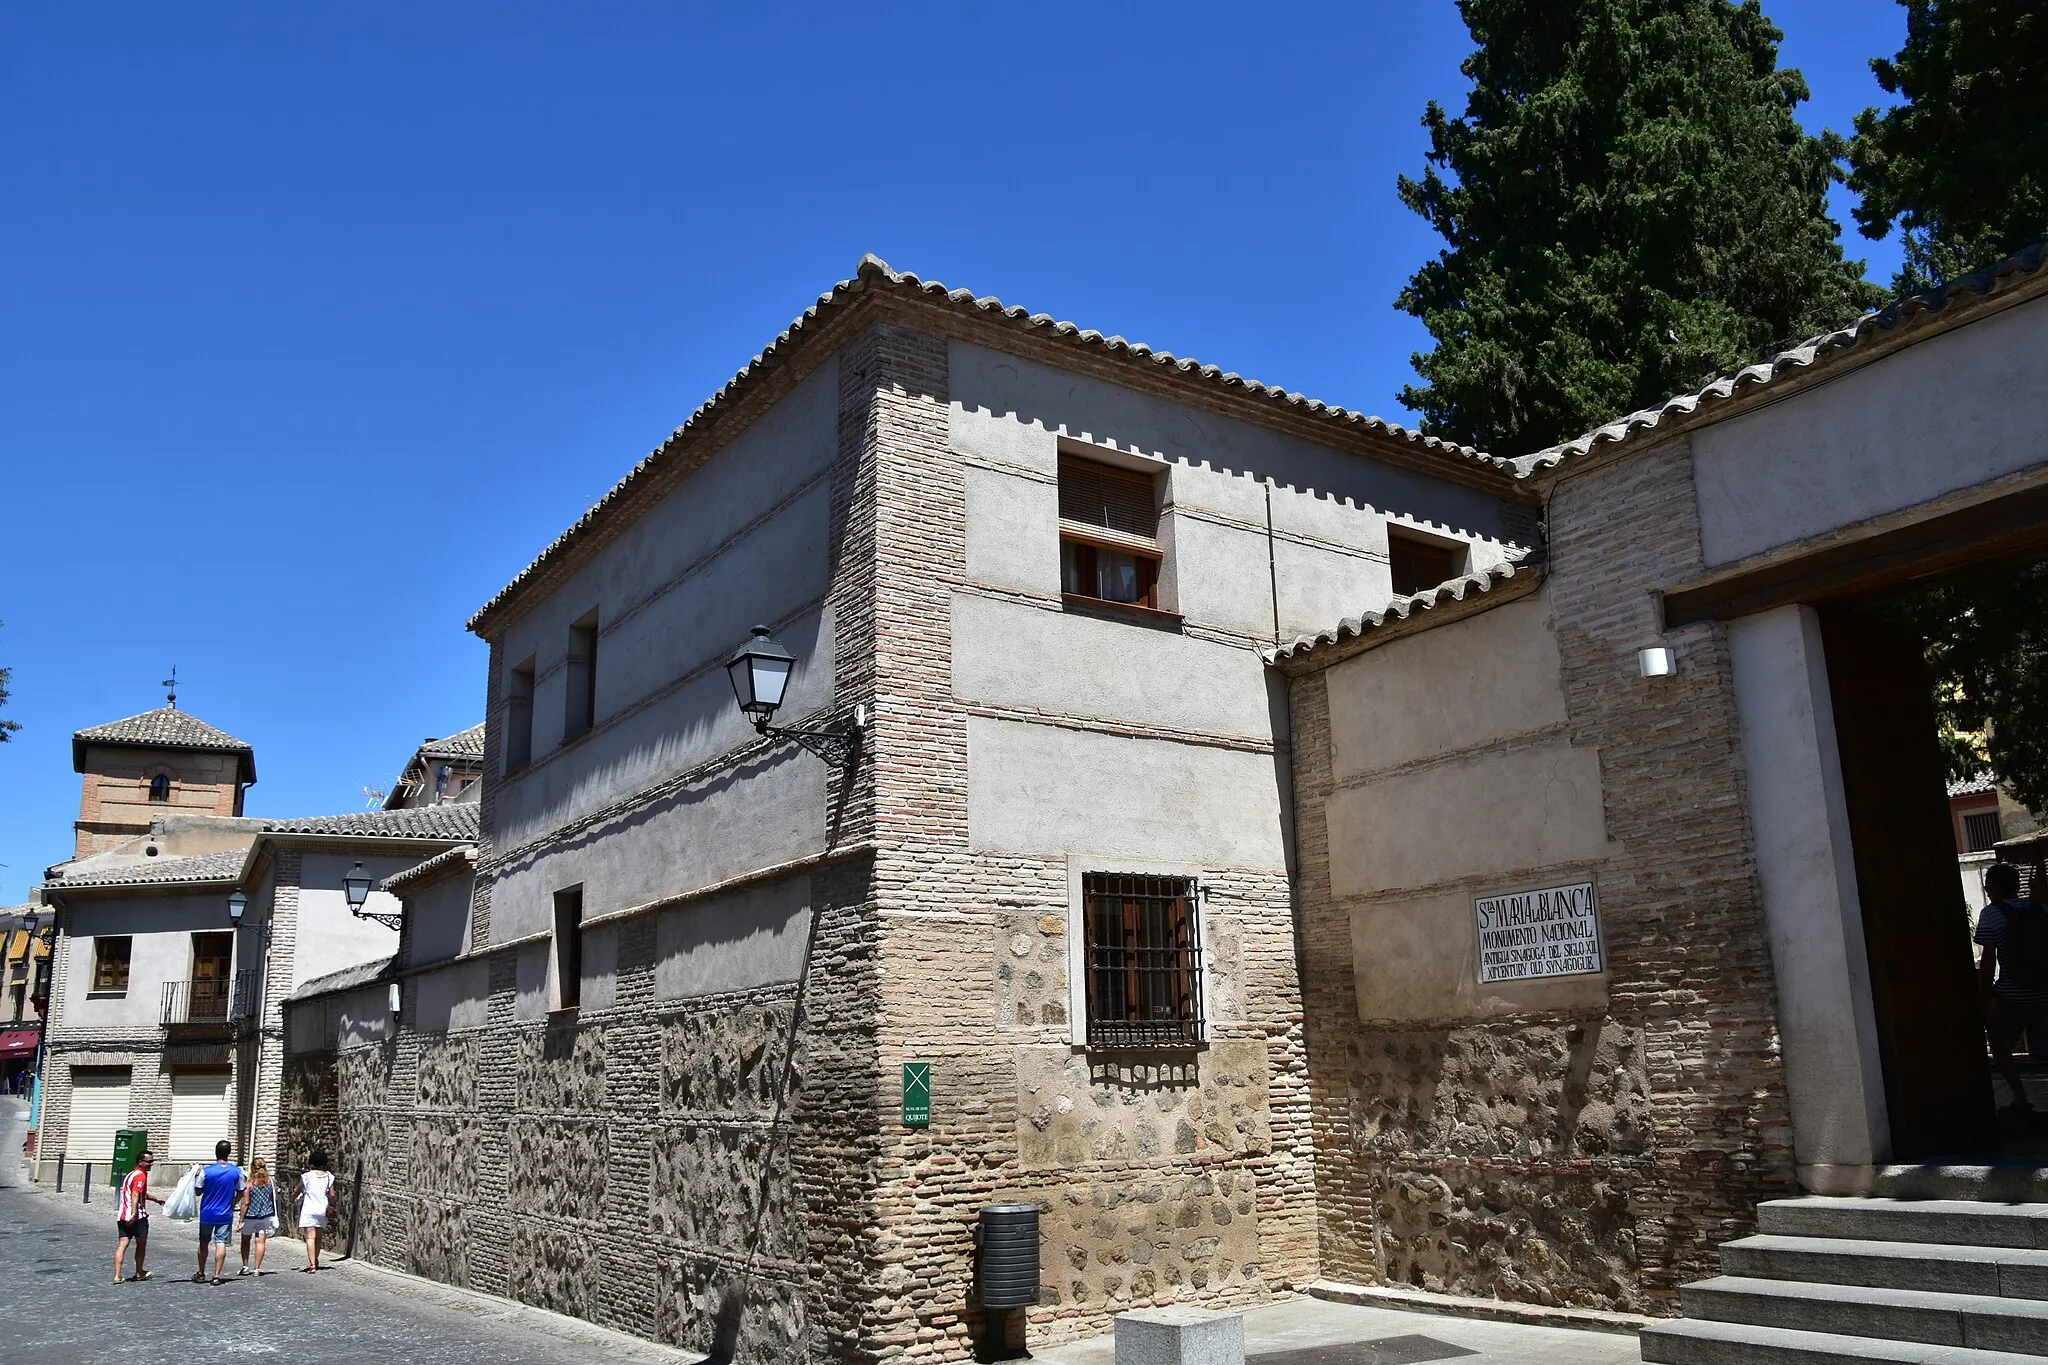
(171, 683)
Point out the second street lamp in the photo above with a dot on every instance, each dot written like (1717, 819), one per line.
(356, 886)
(760, 671)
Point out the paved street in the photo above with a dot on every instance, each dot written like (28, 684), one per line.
(64, 1308)
(1317, 1332)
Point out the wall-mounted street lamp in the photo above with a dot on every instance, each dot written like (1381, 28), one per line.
(356, 886)
(238, 906)
(395, 997)
(760, 674)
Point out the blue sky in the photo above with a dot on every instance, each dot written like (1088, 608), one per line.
(319, 321)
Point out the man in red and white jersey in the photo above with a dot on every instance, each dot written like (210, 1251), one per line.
(131, 1216)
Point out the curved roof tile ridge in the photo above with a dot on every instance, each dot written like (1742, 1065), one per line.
(874, 274)
(1402, 607)
(1901, 312)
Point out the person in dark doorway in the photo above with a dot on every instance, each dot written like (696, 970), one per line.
(2012, 975)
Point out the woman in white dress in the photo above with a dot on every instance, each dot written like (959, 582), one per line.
(316, 1183)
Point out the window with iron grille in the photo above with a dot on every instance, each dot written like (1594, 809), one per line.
(1144, 956)
(1980, 831)
(1109, 529)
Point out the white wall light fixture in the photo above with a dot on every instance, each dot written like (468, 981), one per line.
(395, 996)
(1659, 661)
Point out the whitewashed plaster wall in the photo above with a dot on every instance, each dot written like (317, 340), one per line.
(161, 927)
(743, 541)
(437, 919)
(1948, 413)
(1216, 794)
(1453, 777)
(329, 937)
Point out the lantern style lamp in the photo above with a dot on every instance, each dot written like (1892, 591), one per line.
(238, 906)
(356, 886)
(760, 672)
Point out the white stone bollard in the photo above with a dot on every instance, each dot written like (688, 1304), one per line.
(1179, 1336)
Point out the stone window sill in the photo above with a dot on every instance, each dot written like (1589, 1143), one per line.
(1122, 611)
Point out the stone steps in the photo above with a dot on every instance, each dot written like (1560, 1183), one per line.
(1933, 1281)
(1693, 1342)
(1980, 1321)
(1947, 1268)
(1948, 1221)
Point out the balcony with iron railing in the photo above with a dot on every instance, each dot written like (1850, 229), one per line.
(211, 1003)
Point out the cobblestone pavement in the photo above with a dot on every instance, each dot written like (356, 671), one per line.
(63, 1308)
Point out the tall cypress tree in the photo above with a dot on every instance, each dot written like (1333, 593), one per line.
(1962, 164)
(1630, 208)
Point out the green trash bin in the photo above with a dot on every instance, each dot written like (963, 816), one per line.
(129, 1144)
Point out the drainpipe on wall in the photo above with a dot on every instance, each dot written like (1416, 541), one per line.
(1272, 568)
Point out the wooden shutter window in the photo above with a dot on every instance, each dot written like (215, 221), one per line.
(1417, 564)
(1094, 494)
(110, 963)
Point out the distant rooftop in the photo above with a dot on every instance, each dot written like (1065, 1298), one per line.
(164, 728)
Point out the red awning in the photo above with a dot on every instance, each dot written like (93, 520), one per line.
(18, 1042)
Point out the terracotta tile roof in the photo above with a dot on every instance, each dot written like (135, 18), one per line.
(448, 862)
(1907, 314)
(452, 820)
(1402, 608)
(362, 974)
(1981, 785)
(874, 276)
(164, 728)
(462, 744)
(205, 867)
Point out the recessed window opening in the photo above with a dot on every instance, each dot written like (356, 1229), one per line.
(580, 702)
(1419, 563)
(568, 983)
(519, 716)
(160, 788)
(1144, 960)
(1109, 533)
(110, 963)
(1981, 831)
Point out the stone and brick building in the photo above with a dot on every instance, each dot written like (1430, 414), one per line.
(1505, 938)
(695, 962)
(165, 1012)
(1627, 876)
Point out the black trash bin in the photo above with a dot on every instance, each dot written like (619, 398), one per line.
(1008, 1274)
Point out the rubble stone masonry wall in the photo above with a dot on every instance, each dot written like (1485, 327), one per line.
(1588, 1155)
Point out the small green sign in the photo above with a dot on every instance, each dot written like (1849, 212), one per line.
(917, 1093)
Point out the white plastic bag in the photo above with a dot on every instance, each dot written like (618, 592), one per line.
(183, 1205)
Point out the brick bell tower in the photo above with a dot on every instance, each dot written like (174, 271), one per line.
(161, 763)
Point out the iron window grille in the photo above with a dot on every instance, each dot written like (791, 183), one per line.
(1980, 831)
(1144, 951)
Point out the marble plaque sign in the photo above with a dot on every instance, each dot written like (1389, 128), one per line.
(1524, 935)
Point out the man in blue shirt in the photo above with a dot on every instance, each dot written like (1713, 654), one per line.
(220, 1188)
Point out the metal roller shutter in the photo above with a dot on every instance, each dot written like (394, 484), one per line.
(99, 1106)
(202, 1113)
